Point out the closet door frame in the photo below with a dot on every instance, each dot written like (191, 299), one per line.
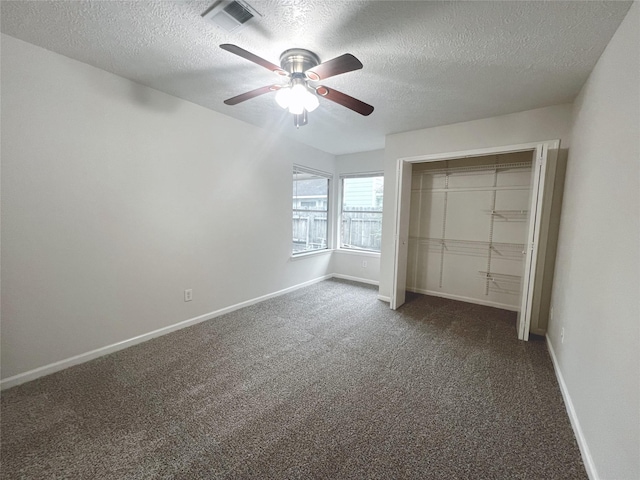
(540, 152)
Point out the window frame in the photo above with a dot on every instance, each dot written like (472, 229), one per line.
(297, 169)
(351, 249)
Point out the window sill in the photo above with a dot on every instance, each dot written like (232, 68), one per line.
(314, 253)
(361, 253)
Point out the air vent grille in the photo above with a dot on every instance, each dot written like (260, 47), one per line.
(238, 12)
(230, 15)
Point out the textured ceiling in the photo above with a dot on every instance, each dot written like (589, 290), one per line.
(425, 63)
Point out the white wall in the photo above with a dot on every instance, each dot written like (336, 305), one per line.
(346, 263)
(525, 127)
(597, 279)
(116, 198)
(363, 162)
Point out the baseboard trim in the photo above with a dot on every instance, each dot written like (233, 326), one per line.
(590, 467)
(384, 298)
(99, 352)
(450, 296)
(355, 279)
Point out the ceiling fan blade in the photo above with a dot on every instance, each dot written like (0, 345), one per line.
(342, 64)
(345, 100)
(241, 52)
(253, 93)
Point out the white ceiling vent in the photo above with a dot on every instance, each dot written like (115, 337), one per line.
(230, 15)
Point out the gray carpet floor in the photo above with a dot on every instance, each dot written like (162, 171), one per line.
(325, 382)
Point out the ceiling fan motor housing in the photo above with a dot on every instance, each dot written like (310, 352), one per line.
(298, 60)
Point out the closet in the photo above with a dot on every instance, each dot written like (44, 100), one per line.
(468, 226)
(481, 226)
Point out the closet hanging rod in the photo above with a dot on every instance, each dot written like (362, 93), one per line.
(477, 243)
(473, 168)
(500, 277)
(510, 214)
(473, 189)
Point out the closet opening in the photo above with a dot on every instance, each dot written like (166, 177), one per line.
(468, 227)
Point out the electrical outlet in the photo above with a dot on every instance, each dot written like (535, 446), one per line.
(188, 295)
(562, 335)
(364, 264)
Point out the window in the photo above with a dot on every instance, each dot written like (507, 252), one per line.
(362, 212)
(310, 210)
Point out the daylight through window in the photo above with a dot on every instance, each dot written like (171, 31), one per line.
(310, 210)
(362, 212)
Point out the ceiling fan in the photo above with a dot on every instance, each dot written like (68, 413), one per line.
(298, 95)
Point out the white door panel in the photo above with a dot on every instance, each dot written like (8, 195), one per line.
(403, 215)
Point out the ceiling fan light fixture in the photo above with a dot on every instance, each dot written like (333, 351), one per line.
(302, 99)
(283, 97)
(297, 98)
(311, 101)
(296, 109)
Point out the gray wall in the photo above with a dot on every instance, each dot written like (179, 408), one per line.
(349, 264)
(116, 198)
(547, 123)
(597, 280)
